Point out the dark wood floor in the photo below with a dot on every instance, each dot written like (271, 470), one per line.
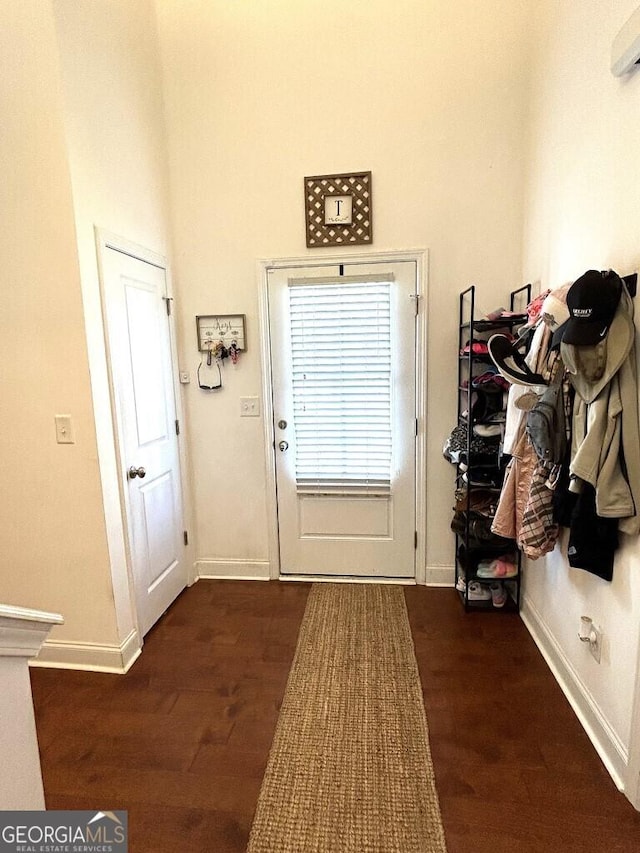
(182, 740)
(515, 771)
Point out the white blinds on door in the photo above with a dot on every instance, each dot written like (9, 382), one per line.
(341, 360)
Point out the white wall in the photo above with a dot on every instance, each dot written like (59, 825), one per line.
(433, 99)
(582, 212)
(112, 108)
(82, 144)
(54, 551)
(428, 96)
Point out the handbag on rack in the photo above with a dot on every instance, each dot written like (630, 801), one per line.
(478, 527)
(482, 448)
(546, 425)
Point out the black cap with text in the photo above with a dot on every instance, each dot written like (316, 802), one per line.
(592, 301)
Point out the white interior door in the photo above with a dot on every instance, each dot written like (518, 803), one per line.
(343, 344)
(141, 364)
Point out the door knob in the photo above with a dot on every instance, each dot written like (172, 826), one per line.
(283, 445)
(136, 472)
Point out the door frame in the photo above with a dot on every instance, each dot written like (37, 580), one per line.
(420, 258)
(119, 535)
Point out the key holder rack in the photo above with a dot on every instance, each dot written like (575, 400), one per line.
(220, 336)
(221, 329)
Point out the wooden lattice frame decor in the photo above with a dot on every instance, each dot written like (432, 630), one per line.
(338, 210)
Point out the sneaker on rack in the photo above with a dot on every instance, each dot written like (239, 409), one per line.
(478, 592)
(500, 567)
(498, 594)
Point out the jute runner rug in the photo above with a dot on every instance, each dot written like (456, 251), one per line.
(350, 769)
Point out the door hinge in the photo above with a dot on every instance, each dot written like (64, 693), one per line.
(177, 427)
(167, 301)
(185, 536)
(416, 299)
(416, 426)
(415, 540)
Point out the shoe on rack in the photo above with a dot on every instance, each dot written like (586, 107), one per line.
(498, 594)
(502, 567)
(478, 592)
(475, 347)
(479, 500)
(492, 383)
(486, 377)
(503, 314)
(487, 430)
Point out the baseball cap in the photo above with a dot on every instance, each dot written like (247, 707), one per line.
(592, 301)
(592, 367)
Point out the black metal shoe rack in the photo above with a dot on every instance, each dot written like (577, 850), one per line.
(485, 472)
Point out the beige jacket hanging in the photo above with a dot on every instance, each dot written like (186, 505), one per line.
(605, 423)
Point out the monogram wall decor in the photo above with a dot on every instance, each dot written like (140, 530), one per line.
(338, 210)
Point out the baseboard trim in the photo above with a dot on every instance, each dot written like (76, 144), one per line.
(348, 579)
(440, 576)
(94, 657)
(609, 747)
(248, 570)
(259, 570)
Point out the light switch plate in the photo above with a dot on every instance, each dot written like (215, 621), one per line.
(64, 429)
(249, 407)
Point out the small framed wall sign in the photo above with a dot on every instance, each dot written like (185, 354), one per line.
(338, 209)
(213, 328)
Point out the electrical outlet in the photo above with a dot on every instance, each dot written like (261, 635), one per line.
(595, 643)
(249, 407)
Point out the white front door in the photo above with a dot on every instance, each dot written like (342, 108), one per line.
(343, 345)
(141, 365)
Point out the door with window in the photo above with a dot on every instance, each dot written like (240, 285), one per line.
(343, 344)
